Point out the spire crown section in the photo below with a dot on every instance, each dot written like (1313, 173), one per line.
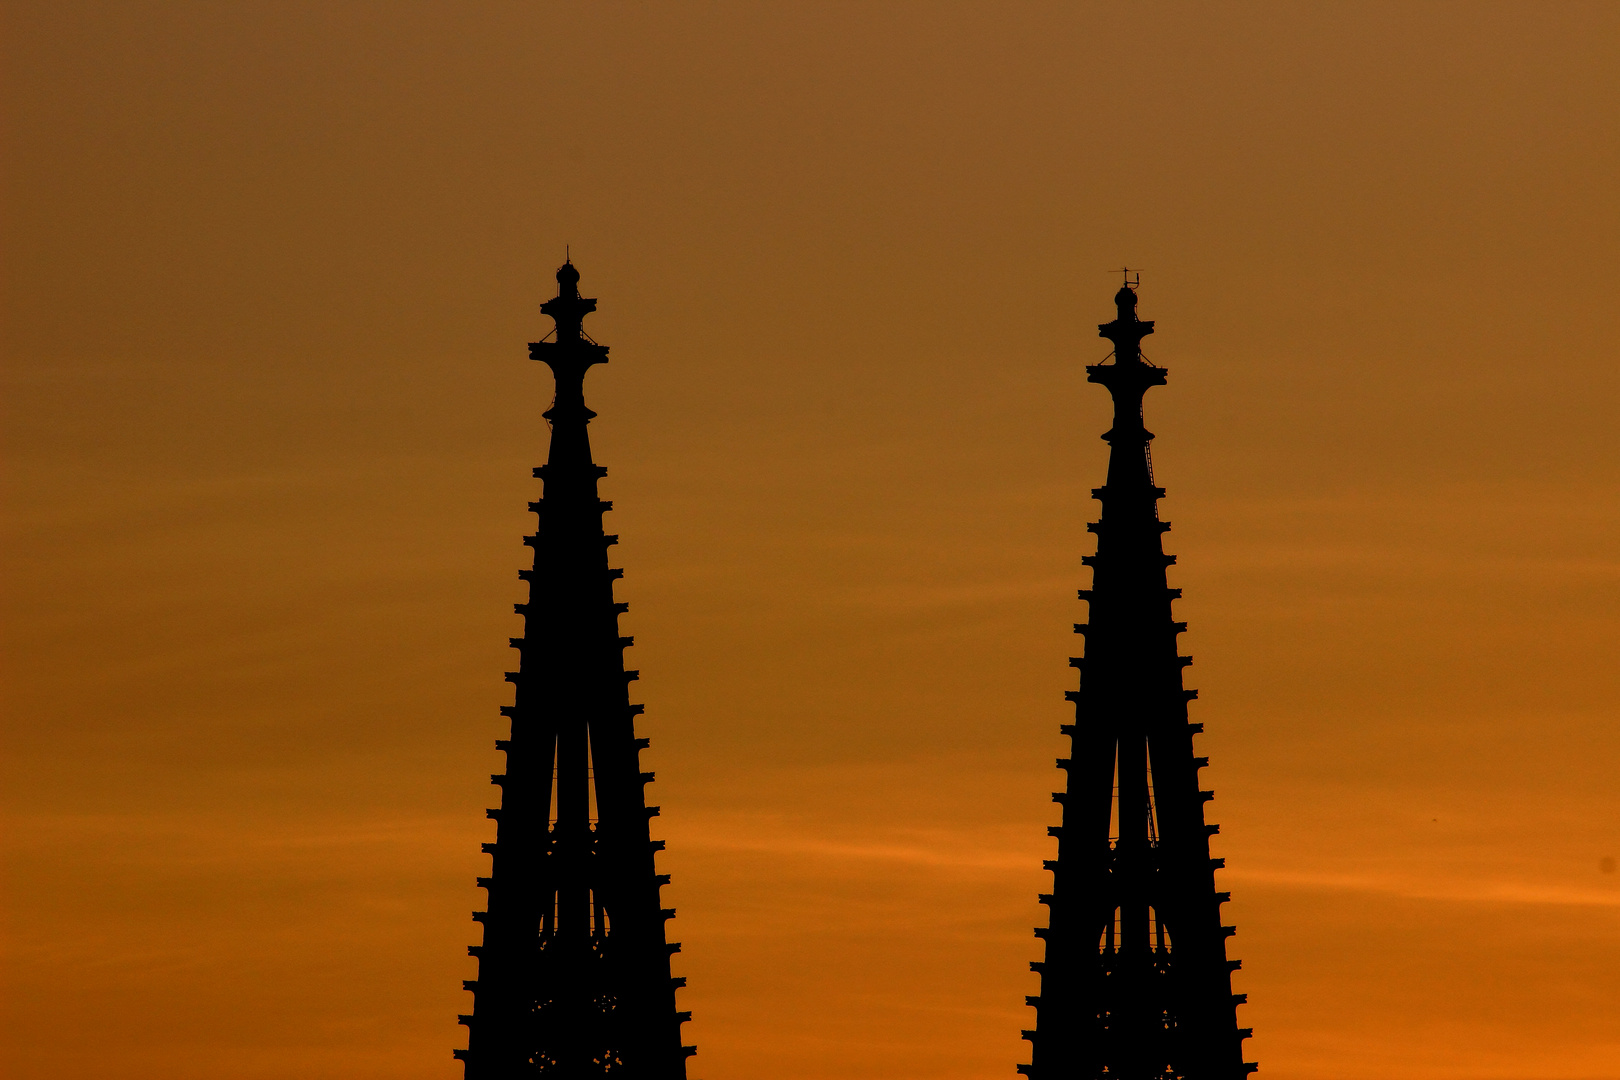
(1128, 378)
(568, 308)
(573, 352)
(1126, 331)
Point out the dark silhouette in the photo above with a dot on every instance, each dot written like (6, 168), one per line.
(573, 975)
(1136, 983)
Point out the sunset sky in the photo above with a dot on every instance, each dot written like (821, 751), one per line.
(269, 274)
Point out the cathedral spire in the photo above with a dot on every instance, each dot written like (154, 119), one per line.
(573, 973)
(1135, 983)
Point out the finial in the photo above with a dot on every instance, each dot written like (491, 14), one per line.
(569, 308)
(1125, 299)
(1127, 331)
(567, 277)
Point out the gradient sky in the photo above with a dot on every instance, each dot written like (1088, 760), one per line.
(270, 269)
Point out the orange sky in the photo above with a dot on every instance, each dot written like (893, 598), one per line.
(270, 269)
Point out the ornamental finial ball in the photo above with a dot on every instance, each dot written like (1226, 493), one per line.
(1126, 300)
(567, 276)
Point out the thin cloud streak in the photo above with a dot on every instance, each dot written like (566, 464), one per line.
(1010, 850)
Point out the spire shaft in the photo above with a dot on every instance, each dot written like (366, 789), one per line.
(1135, 984)
(574, 978)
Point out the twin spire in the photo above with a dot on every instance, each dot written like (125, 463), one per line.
(574, 969)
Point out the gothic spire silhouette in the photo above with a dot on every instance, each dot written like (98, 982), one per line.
(573, 973)
(1136, 983)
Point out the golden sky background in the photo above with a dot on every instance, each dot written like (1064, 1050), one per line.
(270, 269)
